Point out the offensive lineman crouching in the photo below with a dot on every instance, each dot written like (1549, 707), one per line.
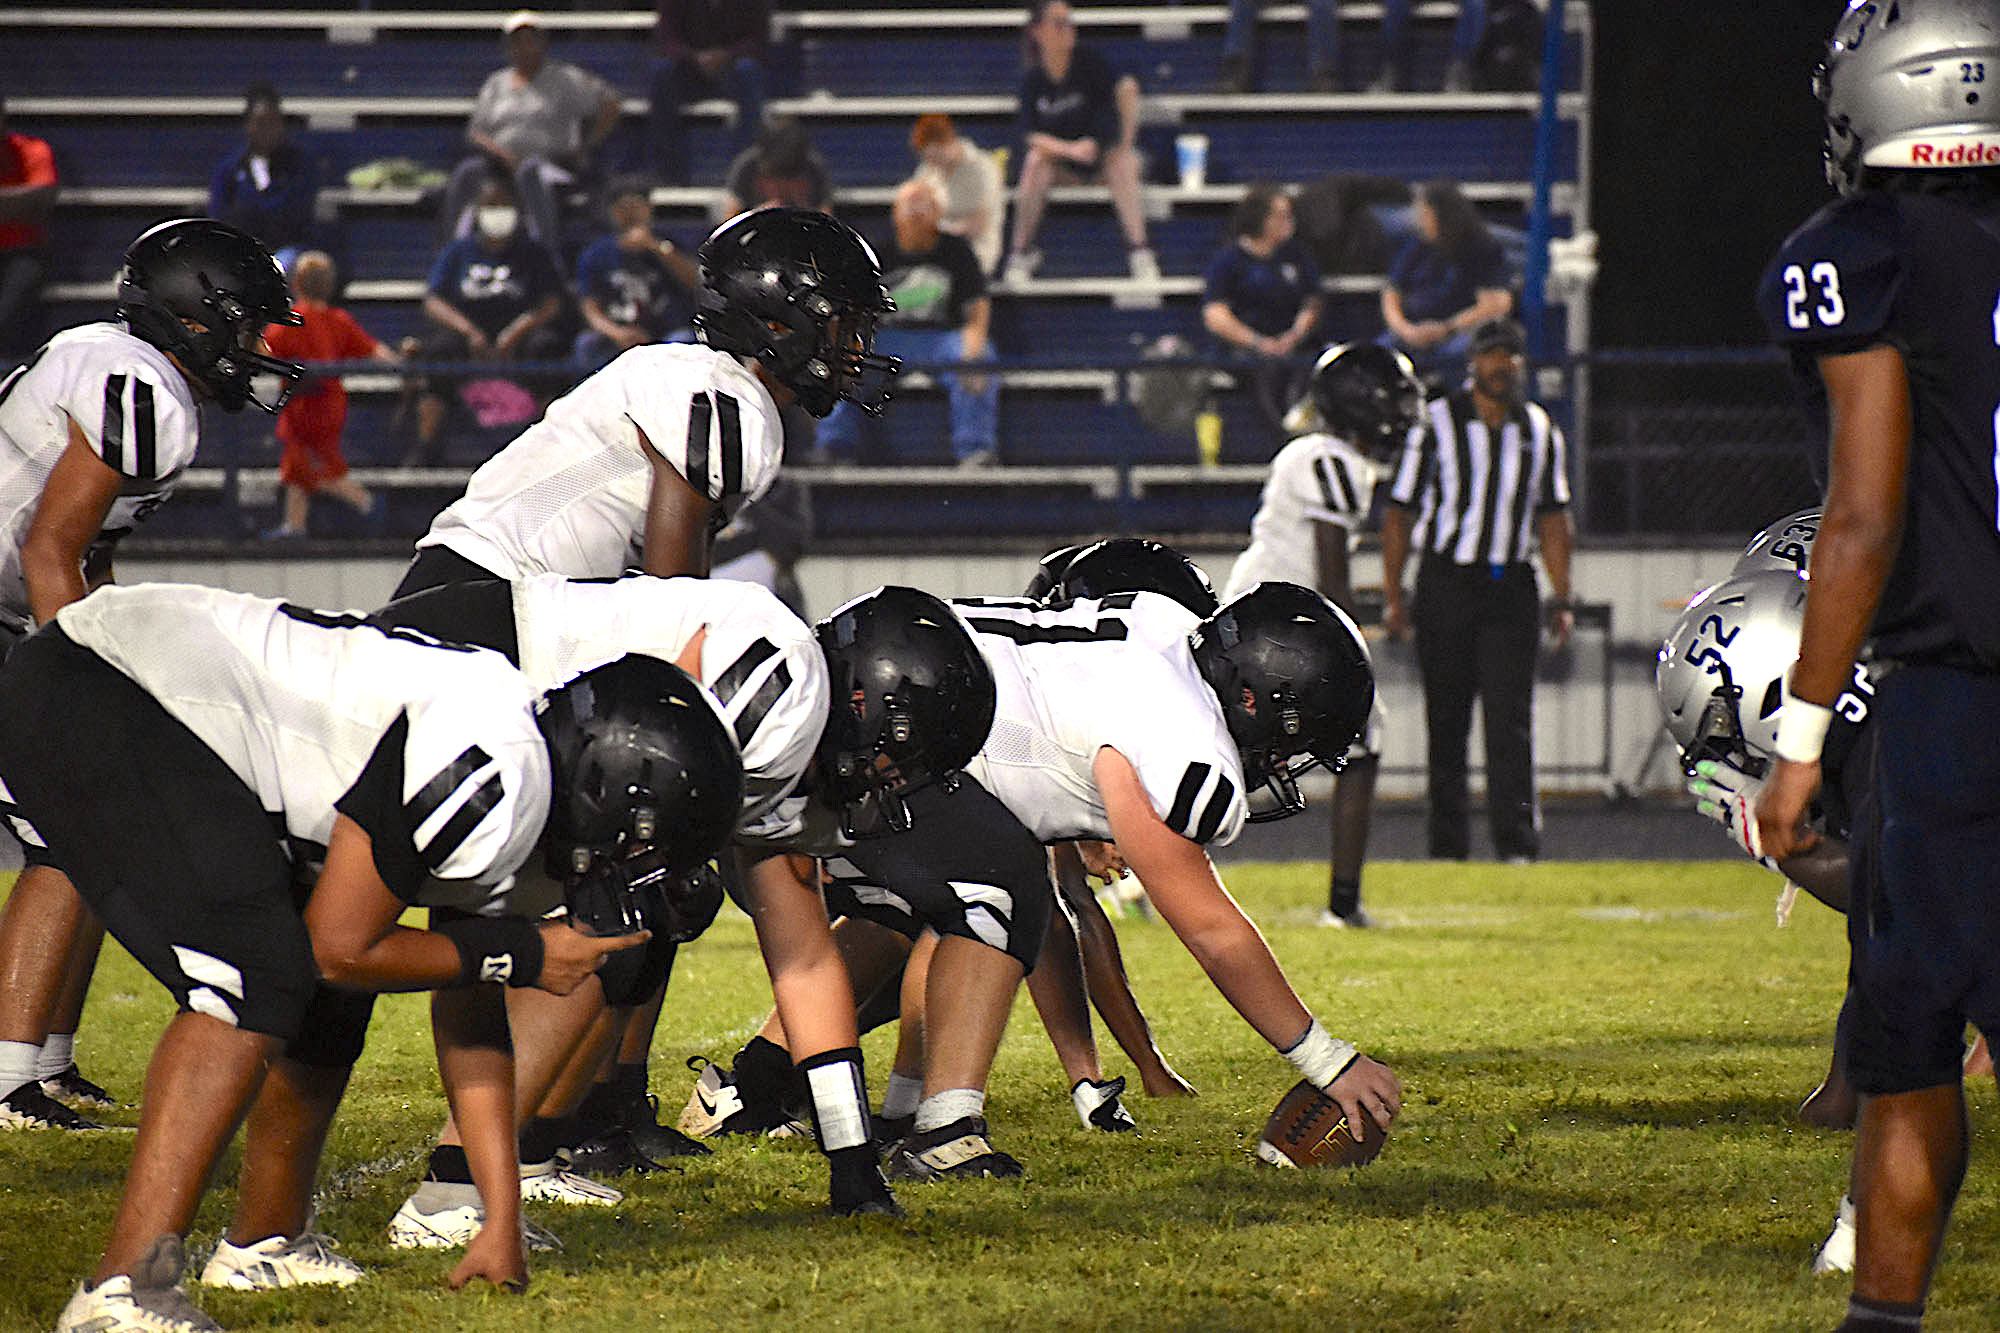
(420, 770)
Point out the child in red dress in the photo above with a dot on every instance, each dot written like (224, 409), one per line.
(310, 425)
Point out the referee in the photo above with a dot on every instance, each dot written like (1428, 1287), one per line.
(1478, 487)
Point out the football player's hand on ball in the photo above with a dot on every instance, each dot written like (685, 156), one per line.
(1367, 1088)
(1728, 795)
(569, 956)
(1780, 809)
(493, 1256)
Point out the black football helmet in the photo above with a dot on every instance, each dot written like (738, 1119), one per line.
(800, 292)
(203, 291)
(1136, 564)
(1293, 677)
(909, 687)
(648, 786)
(1368, 395)
(1049, 571)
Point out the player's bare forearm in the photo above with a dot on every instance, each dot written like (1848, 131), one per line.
(1330, 556)
(351, 920)
(476, 1065)
(677, 529)
(1868, 397)
(810, 982)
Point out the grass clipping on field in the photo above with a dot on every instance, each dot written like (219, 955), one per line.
(1600, 1066)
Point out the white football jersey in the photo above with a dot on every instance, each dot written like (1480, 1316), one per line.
(1317, 478)
(132, 404)
(760, 661)
(432, 748)
(1114, 671)
(569, 495)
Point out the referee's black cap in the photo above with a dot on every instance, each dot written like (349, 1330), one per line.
(1498, 334)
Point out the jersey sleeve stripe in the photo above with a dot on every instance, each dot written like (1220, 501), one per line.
(1323, 474)
(1351, 499)
(729, 682)
(459, 827)
(700, 411)
(1192, 782)
(145, 458)
(730, 413)
(1217, 807)
(448, 780)
(761, 703)
(111, 440)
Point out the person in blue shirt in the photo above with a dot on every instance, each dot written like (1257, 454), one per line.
(1079, 118)
(494, 295)
(632, 287)
(271, 187)
(1262, 296)
(1448, 280)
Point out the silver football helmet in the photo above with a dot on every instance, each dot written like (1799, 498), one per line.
(1721, 676)
(1785, 546)
(1905, 84)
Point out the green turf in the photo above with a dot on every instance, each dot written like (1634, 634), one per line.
(1600, 1064)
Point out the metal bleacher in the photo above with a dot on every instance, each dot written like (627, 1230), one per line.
(140, 105)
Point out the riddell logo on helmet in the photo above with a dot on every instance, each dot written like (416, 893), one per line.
(1962, 153)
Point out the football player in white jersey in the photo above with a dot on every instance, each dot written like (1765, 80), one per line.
(639, 465)
(768, 671)
(1125, 719)
(417, 773)
(1361, 404)
(96, 428)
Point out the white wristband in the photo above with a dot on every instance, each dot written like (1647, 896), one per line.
(1321, 1058)
(1801, 729)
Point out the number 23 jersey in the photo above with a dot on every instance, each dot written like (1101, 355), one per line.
(1920, 273)
(1115, 672)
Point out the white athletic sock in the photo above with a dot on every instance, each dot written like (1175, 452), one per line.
(58, 1054)
(902, 1096)
(940, 1109)
(17, 1064)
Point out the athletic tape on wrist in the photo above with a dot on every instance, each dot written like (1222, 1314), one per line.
(1801, 729)
(839, 1098)
(504, 949)
(1320, 1057)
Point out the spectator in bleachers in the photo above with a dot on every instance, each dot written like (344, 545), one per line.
(493, 296)
(780, 167)
(1465, 37)
(27, 195)
(705, 47)
(1239, 46)
(269, 189)
(942, 314)
(1079, 120)
(1448, 280)
(967, 180)
(541, 120)
(310, 425)
(632, 286)
(1262, 296)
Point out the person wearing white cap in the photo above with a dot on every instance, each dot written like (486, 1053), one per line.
(538, 119)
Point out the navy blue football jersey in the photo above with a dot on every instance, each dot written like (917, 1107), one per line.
(1922, 274)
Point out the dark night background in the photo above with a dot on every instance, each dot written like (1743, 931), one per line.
(1706, 155)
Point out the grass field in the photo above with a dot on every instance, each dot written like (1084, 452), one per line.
(1601, 1062)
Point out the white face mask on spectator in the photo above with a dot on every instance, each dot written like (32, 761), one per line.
(496, 221)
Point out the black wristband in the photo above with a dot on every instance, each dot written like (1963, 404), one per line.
(506, 949)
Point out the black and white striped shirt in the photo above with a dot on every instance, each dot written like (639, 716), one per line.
(1477, 492)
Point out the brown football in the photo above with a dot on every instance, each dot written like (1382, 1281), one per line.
(1308, 1128)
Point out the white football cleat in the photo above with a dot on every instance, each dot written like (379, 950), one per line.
(1836, 1254)
(451, 1226)
(552, 1182)
(149, 1300)
(712, 1102)
(275, 1262)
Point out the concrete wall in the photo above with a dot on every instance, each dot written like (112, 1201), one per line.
(1645, 589)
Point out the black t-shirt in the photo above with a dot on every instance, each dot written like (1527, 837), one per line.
(931, 288)
(1083, 106)
(1920, 273)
